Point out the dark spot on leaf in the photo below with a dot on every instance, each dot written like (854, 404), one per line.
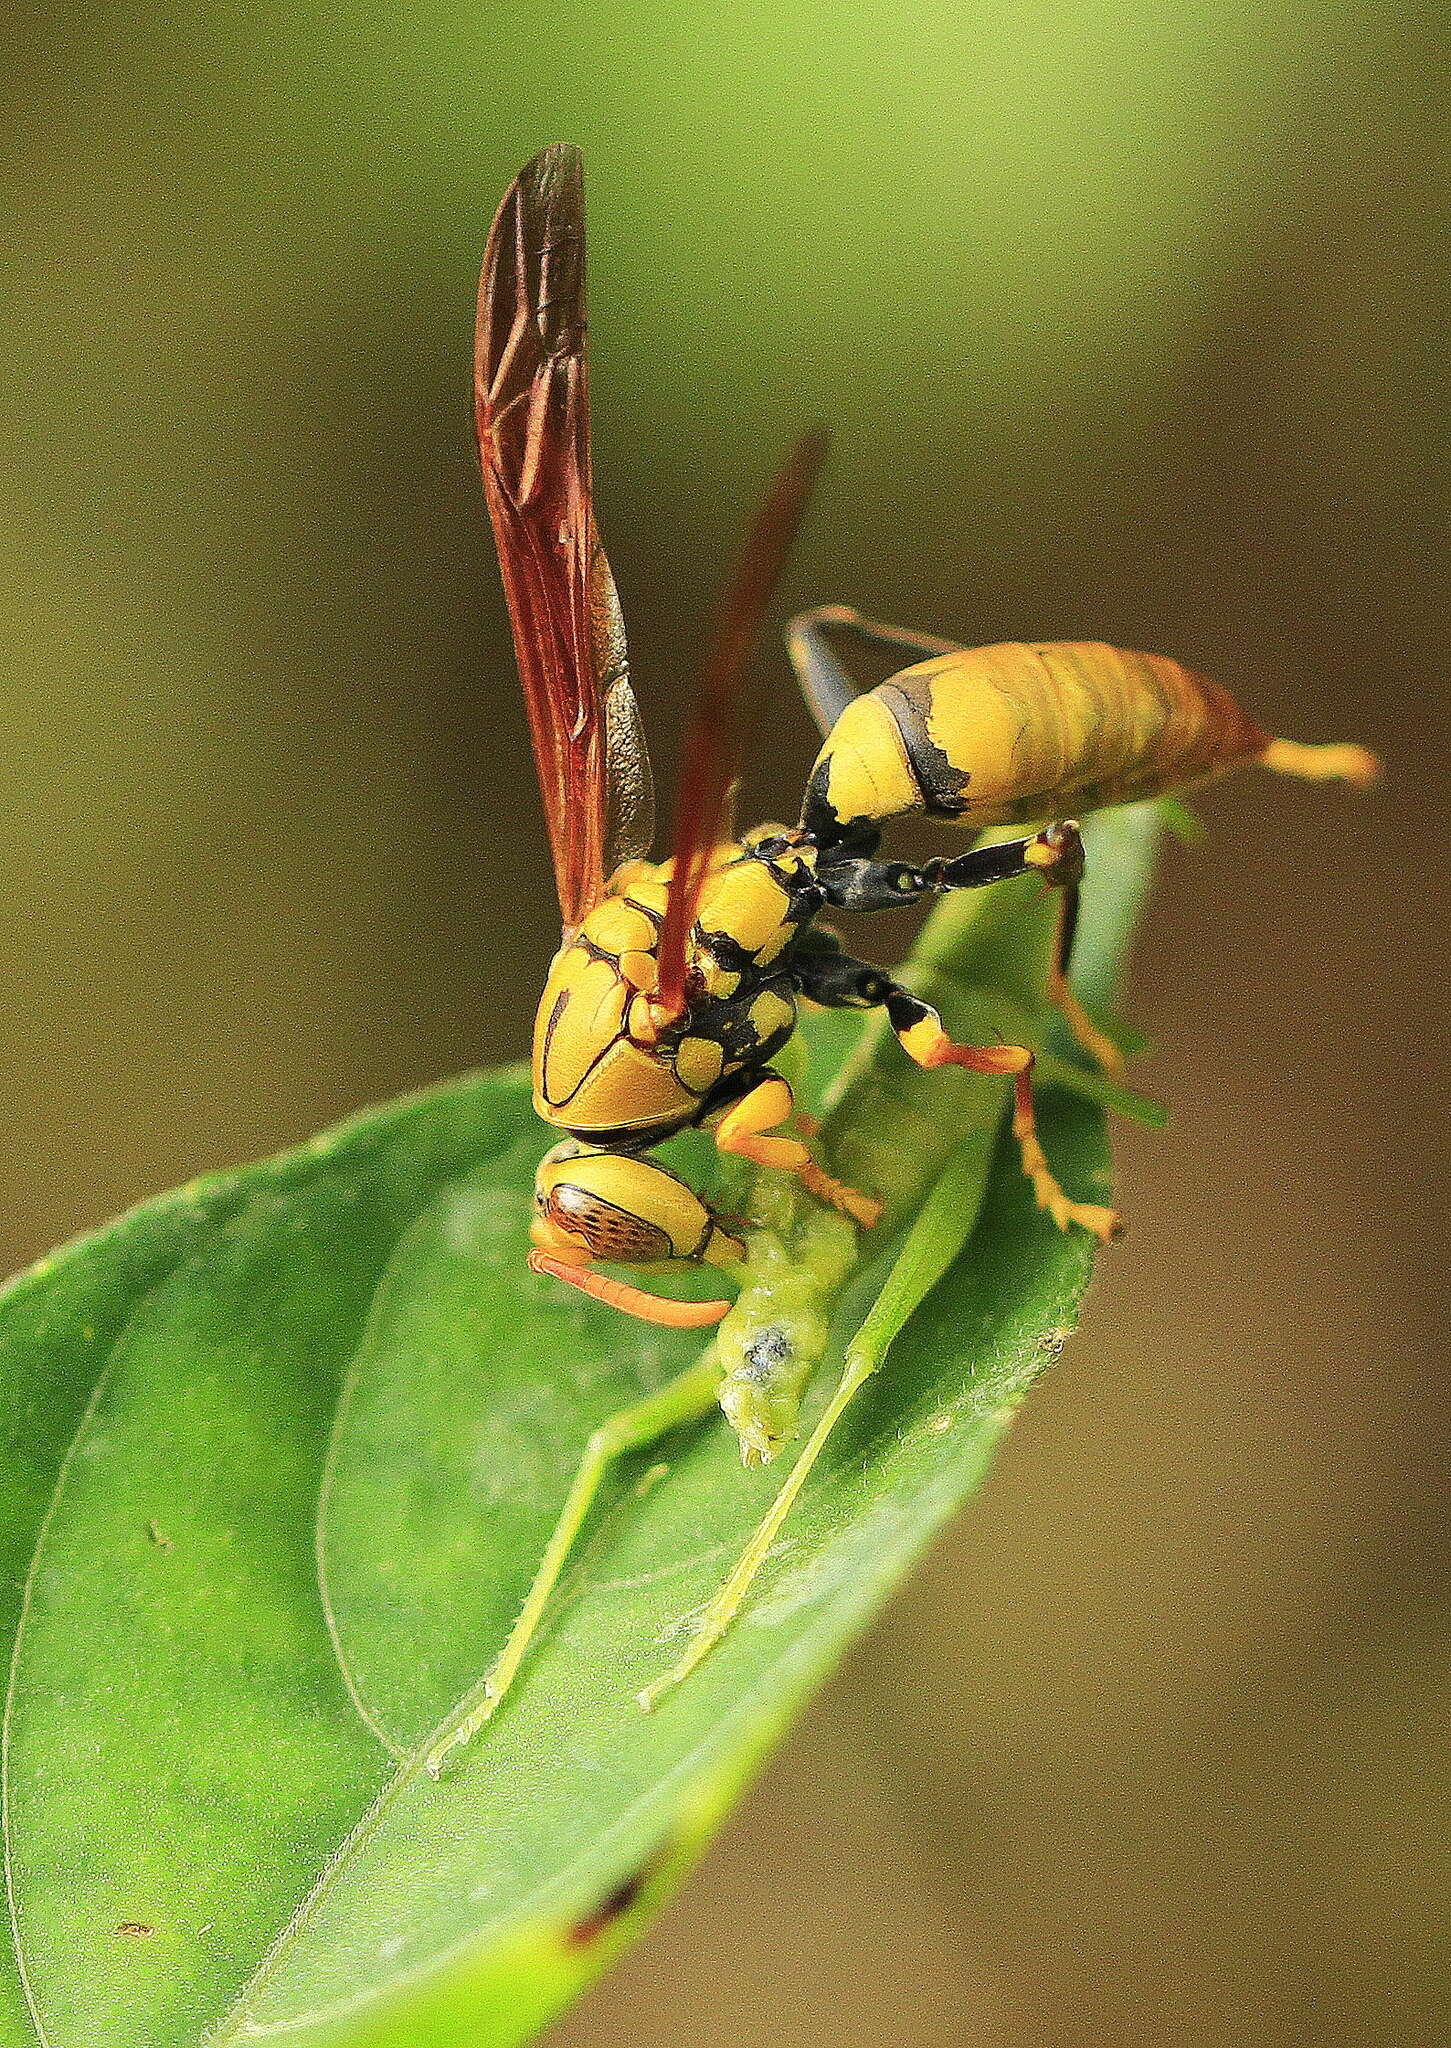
(134, 1928)
(619, 1901)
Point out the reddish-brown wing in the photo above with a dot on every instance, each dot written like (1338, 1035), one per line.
(531, 405)
(722, 717)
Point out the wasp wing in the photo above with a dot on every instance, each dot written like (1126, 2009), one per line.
(723, 713)
(629, 785)
(531, 407)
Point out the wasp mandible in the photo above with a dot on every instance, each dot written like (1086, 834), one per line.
(677, 984)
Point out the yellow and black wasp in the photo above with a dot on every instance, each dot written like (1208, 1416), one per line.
(677, 984)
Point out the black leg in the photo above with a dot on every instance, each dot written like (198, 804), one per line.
(851, 882)
(826, 974)
(1068, 910)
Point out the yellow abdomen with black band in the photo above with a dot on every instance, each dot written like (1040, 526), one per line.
(1024, 731)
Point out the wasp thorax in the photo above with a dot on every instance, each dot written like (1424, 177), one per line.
(641, 971)
(645, 1020)
(750, 906)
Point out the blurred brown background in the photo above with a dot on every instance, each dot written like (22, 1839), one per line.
(1128, 323)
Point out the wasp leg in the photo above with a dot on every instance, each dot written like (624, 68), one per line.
(920, 1033)
(1056, 853)
(638, 1302)
(690, 1397)
(854, 882)
(825, 683)
(1061, 994)
(743, 1131)
(1342, 763)
(838, 980)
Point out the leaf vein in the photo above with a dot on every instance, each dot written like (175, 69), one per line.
(771, 1683)
(42, 1536)
(346, 1390)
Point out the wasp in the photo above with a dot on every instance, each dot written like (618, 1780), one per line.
(677, 984)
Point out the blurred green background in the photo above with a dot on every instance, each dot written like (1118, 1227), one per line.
(1125, 320)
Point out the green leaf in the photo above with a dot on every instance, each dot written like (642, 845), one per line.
(278, 1455)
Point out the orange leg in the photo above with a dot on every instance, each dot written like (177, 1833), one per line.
(633, 1301)
(920, 1031)
(743, 1131)
(1060, 993)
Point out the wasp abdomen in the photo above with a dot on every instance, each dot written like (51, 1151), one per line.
(1024, 731)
